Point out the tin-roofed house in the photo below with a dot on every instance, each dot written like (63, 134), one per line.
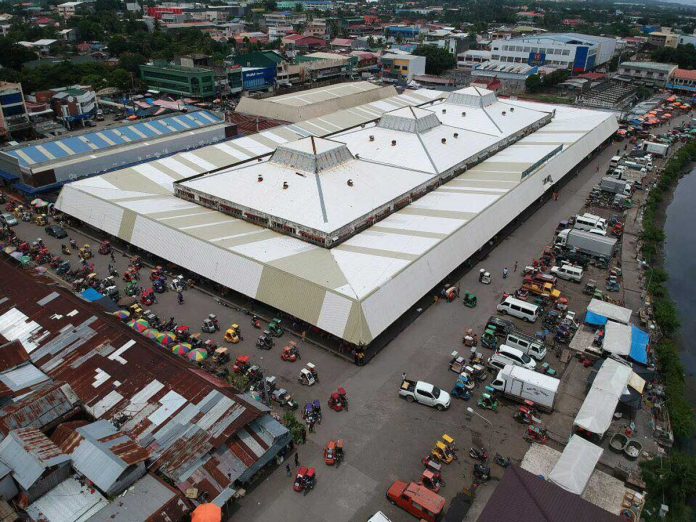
(37, 464)
(111, 460)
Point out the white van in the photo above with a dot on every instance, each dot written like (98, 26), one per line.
(568, 272)
(518, 308)
(614, 162)
(509, 355)
(529, 345)
(591, 223)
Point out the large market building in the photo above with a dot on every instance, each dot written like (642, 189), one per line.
(347, 220)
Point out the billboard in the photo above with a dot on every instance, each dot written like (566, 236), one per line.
(536, 59)
(258, 78)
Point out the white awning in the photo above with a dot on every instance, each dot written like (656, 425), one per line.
(599, 406)
(577, 463)
(617, 338)
(610, 311)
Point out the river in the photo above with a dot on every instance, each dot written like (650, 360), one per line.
(680, 264)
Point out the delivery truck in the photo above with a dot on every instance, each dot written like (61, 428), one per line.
(587, 242)
(659, 149)
(615, 186)
(520, 384)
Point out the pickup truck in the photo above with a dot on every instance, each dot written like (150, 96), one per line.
(428, 394)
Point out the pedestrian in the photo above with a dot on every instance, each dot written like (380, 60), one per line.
(555, 196)
(403, 376)
(505, 272)
(287, 470)
(514, 268)
(297, 459)
(112, 256)
(311, 426)
(304, 435)
(111, 268)
(180, 298)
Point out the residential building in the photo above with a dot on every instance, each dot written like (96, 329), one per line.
(193, 82)
(316, 27)
(683, 80)
(305, 42)
(69, 35)
(687, 39)
(403, 31)
(43, 46)
(402, 67)
(69, 9)
(663, 39)
(306, 5)
(260, 59)
(195, 60)
(577, 52)
(282, 19)
(342, 43)
(652, 74)
(74, 104)
(13, 109)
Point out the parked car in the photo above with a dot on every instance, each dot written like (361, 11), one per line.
(56, 231)
(9, 220)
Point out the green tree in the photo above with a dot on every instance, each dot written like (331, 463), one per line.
(121, 79)
(437, 60)
(671, 481)
(13, 55)
(131, 62)
(533, 83)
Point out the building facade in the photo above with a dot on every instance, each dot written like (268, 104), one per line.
(683, 80)
(651, 74)
(13, 109)
(402, 67)
(580, 53)
(192, 82)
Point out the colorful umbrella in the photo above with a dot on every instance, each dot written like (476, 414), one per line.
(165, 338)
(181, 349)
(139, 325)
(198, 355)
(122, 314)
(151, 333)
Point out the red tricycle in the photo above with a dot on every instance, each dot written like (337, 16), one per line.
(147, 297)
(338, 400)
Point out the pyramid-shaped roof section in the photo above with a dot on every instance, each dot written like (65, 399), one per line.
(472, 97)
(312, 155)
(409, 119)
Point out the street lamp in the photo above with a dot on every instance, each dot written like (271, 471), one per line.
(471, 410)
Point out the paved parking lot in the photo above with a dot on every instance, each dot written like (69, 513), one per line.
(385, 436)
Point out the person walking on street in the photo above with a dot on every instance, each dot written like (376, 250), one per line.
(297, 459)
(180, 298)
(505, 272)
(287, 470)
(113, 259)
(403, 376)
(514, 268)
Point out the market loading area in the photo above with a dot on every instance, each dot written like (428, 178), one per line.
(386, 438)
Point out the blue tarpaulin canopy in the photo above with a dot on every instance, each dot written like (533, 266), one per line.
(594, 319)
(639, 345)
(91, 295)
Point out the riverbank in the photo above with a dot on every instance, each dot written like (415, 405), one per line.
(670, 481)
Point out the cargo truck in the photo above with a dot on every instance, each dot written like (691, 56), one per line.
(520, 384)
(660, 149)
(587, 242)
(615, 186)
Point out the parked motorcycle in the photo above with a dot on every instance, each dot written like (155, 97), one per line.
(478, 454)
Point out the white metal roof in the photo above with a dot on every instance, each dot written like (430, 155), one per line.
(610, 311)
(577, 463)
(357, 289)
(617, 338)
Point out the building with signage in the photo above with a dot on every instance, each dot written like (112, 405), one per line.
(13, 110)
(577, 52)
(258, 78)
(191, 82)
(402, 67)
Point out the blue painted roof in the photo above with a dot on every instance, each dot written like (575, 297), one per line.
(65, 147)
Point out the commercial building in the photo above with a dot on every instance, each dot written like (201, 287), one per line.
(388, 198)
(577, 52)
(471, 58)
(652, 74)
(13, 110)
(661, 39)
(512, 76)
(192, 82)
(68, 10)
(402, 67)
(314, 103)
(45, 165)
(682, 80)
(74, 105)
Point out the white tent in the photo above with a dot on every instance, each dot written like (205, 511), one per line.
(576, 465)
(599, 406)
(610, 311)
(617, 338)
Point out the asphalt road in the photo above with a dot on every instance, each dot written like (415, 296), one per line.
(385, 436)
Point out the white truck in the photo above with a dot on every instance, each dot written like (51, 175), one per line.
(425, 393)
(587, 242)
(660, 149)
(615, 186)
(521, 384)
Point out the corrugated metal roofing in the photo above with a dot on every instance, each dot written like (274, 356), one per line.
(28, 452)
(45, 406)
(61, 148)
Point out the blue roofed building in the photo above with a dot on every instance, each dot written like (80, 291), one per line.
(45, 165)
